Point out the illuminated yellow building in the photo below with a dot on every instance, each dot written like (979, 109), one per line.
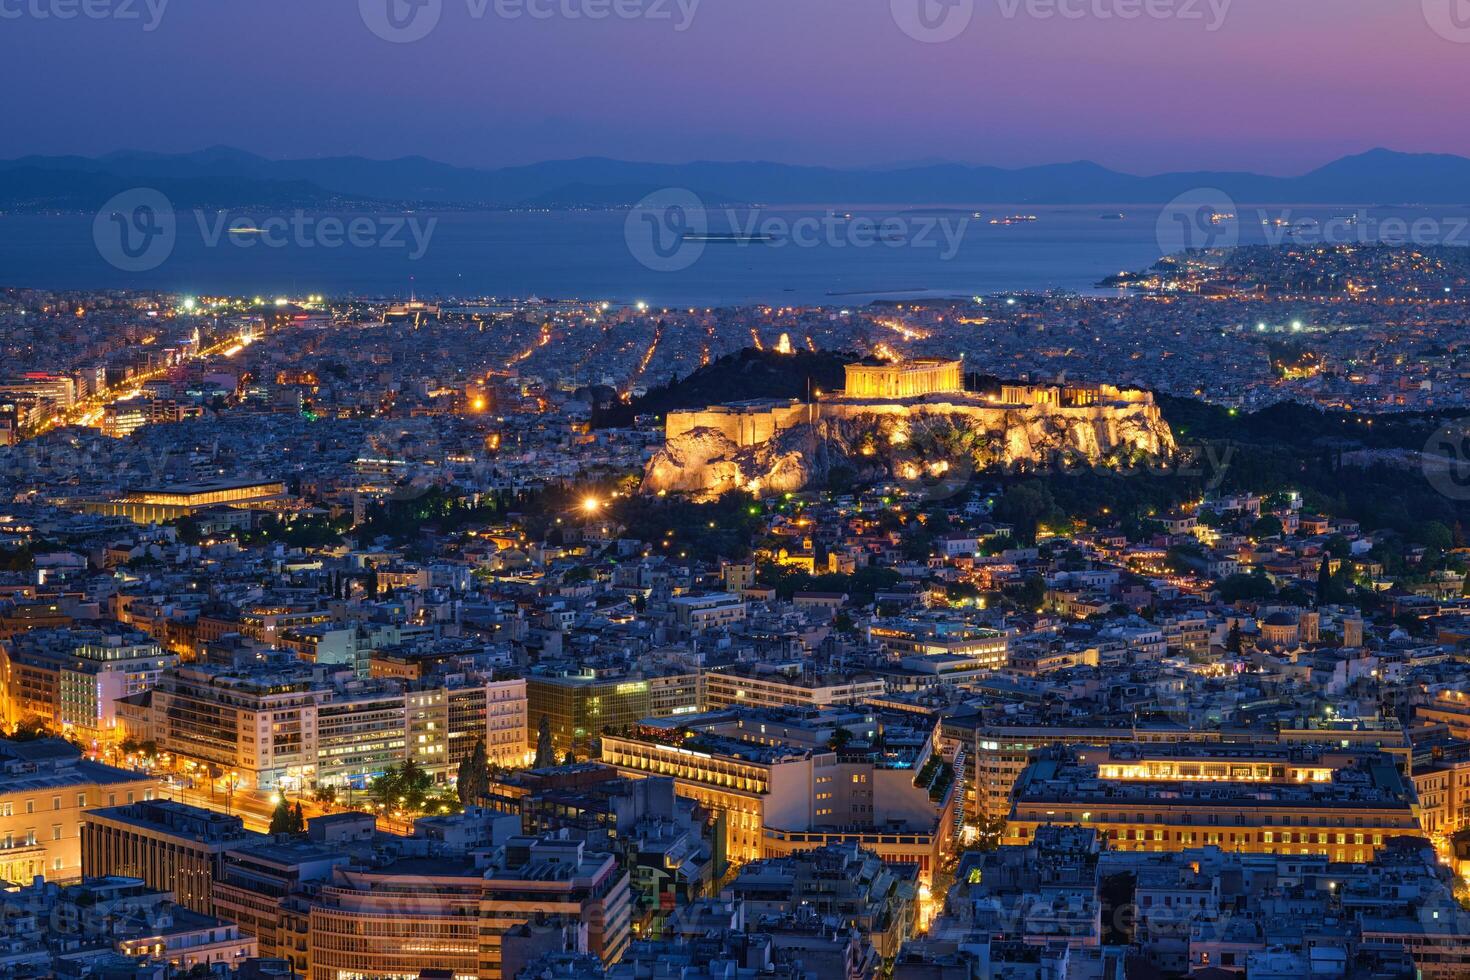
(157, 505)
(904, 379)
(1270, 799)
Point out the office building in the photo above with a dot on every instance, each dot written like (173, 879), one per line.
(1264, 798)
(170, 846)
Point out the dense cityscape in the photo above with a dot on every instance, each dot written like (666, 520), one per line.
(747, 490)
(1034, 635)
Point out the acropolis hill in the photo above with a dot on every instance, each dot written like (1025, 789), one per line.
(900, 419)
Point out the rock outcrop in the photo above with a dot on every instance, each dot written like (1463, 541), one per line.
(907, 442)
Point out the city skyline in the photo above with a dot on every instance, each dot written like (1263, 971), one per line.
(735, 490)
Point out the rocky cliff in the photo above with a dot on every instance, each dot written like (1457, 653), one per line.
(939, 441)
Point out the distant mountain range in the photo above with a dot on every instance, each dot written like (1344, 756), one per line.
(227, 177)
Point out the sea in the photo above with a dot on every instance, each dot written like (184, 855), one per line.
(835, 255)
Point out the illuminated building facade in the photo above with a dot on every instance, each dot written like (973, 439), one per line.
(445, 722)
(171, 846)
(920, 639)
(285, 725)
(1259, 798)
(581, 704)
(73, 678)
(420, 914)
(159, 505)
(785, 686)
(904, 379)
(46, 788)
(781, 792)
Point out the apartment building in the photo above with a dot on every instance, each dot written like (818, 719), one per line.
(785, 685)
(288, 725)
(957, 640)
(73, 677)
(696, 614)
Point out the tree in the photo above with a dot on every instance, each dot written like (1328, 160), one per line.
(571, 759)
(1030, 594)
(545, 753)
(1434, 534)
(1233, 641)
(1024, 505)
(1324, 581)
(30, 729)
(1239, 586)
(298, 819)
(406, 786)
(283, 820)
(1268, 526)
(473, 783)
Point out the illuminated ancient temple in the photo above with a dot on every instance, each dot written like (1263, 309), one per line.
(904, 379)
(747, 444)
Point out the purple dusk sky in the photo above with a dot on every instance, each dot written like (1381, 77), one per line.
(1280, 86)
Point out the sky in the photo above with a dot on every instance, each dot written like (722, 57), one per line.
(1144, 86)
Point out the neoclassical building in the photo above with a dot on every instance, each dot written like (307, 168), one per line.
(904, 379)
